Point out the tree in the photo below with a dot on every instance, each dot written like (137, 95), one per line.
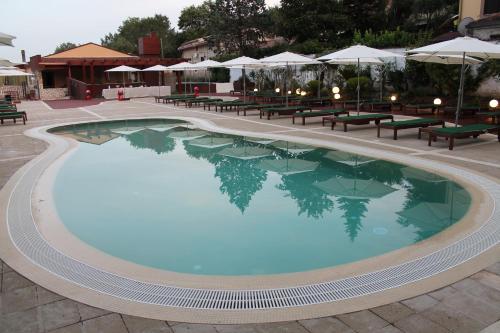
(64, 46)
(194, 21)
(126, 38)
(238, 25)
(364, 15)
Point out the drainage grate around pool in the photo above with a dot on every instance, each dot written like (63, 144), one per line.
(29, 241)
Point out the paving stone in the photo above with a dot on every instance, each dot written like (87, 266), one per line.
(18, 300)
(21, 322)
(193, 328)
(236, 329)
(325, 325)
(89, 312)
(494, 328)
(440, 294)
(173, 323)
(475, 288)
(283, 327)
(75, 328)
(59, 314)
(495, 268)
(393, 312)
(473, 307)
(363, 321)
(488, 279)
(452, 319)
(111, 323)
(6, 268)
(45, 296)
(420, 303)
(13, 280)
(419, 324)
(143, 325)
(388, 329)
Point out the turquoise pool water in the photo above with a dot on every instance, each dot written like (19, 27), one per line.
(164, 194)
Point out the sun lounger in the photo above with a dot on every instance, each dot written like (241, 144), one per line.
(195, 101)
(416, 108)
(495, 115)
(282, 111)
(320, 101)
(361, 120)
(467, 131)
(8, 107)
(322, 113)
(406, 124)
(14, 116)
(173, 98)
(257, 107)
(229, 105)
(466, 110)
(378, 106)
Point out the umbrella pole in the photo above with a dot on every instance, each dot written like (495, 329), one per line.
(243, 72)
(460, 90)
(159, 83)
(358, 89)
(208, 72)
(286, 91)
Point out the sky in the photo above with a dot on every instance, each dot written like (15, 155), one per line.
(42, 25)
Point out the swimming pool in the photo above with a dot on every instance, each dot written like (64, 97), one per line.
(167, 195)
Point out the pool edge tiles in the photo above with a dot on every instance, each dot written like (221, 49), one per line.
(296, 302)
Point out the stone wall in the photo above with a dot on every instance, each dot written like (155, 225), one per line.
(53, 93)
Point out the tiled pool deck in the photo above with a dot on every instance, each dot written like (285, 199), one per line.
(470, 305)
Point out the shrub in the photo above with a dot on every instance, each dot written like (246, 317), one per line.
(365, 84)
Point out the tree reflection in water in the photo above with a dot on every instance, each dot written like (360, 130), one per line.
(158, 142)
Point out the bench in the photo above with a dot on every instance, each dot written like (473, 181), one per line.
(466, 131)
(14, 116)
(281, 111)
(416, 108)
(257, 107)
(322, 113)
(361, 120)
(406, 124)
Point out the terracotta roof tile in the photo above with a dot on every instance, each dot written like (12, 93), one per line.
(89, 50)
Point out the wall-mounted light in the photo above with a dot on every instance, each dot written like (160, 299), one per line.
(336, 96)
(335, 90)
(494, 103)
(437, 101)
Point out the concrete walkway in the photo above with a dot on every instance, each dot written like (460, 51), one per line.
(469, 305)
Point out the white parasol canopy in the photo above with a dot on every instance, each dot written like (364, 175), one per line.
(243, 63)
(359, 54)
(13, 72)
(123, 68)
(462, 46)
(182, 66)
(443, 59)
(206, 64)
(374, 61)
(6, 40)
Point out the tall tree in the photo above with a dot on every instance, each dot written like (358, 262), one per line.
(238, 25)
(64, 46)
(126, 38)
(195, 20)
(364, 15)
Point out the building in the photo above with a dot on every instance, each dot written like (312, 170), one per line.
(70, 72)
(197, 50)
(480, 19)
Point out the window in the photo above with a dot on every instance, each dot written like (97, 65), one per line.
(491, 7)
(48, 79)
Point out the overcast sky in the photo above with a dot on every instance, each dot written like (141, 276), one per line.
(42, 25)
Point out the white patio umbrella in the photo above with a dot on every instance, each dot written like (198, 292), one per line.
(243, 63)
(286, 59)
(461, 46)
(443, 59)
(6, 40)
(182, 66)
(123, 69)
(359, 53)
(13, 72)
(157, 68)
(206, 64)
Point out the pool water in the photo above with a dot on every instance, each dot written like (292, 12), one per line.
(164, 194)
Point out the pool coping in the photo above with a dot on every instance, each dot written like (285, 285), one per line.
(311, 308)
